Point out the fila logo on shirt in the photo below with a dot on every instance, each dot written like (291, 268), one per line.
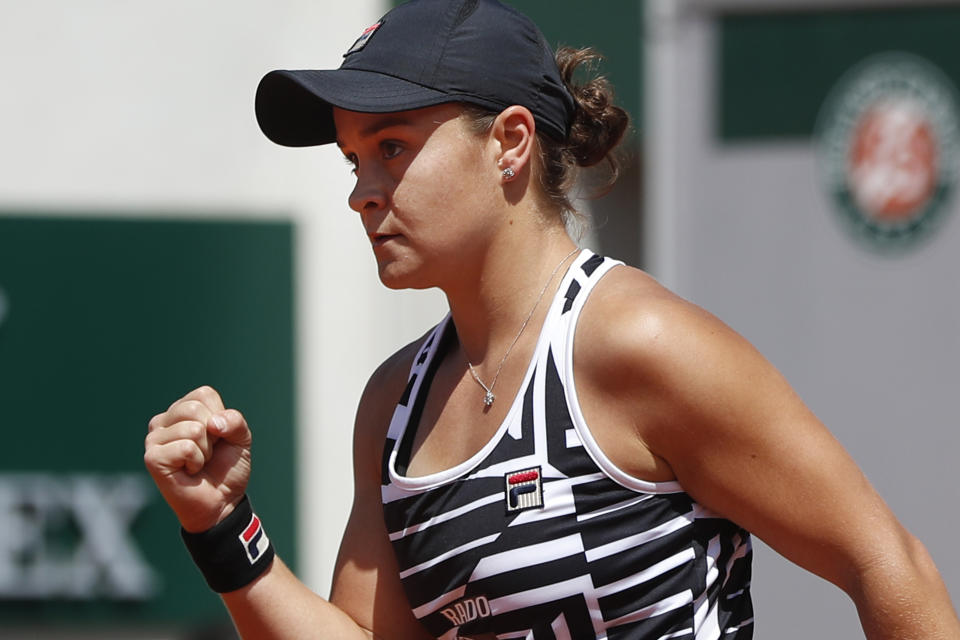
(254, 539)
(524, 490)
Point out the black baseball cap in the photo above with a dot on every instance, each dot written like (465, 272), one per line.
(420, 54)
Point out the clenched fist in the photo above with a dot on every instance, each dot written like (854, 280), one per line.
(198, 453)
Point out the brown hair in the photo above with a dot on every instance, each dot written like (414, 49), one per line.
(598, 127)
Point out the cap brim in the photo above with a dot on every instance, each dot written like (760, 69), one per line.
(294, 108)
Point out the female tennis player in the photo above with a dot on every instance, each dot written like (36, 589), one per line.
(574, 451)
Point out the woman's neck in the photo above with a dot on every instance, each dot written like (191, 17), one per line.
(513, 286)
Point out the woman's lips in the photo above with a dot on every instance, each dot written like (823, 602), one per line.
(380, 239)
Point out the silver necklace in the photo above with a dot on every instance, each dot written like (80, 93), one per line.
(488, 396)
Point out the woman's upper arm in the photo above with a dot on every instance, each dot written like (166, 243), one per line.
(366, 582)
(741, 442)
(734, 433)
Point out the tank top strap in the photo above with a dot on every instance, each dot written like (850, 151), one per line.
(582, 276)
(411, 401)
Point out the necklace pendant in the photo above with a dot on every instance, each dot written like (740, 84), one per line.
(488, 398)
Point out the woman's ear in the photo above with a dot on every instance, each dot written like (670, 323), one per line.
(514, 130)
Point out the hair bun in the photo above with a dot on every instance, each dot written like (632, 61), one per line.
(598, 125)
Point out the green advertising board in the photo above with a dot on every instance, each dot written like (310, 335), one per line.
(103, 323)
(777, 68)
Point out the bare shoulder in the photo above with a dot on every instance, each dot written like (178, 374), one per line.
(636, 357)
(673, 368)
(379, 399)
(366, 583)
(388, 381)
(634, 326)
(630, 295)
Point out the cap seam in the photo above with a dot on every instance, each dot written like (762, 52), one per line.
(438, 61)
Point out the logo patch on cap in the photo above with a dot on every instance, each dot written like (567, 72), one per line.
(254, 540)
(364, 38)
(524, 490)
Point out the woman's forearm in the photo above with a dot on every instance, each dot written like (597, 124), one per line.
(903, 597)
(278, 606)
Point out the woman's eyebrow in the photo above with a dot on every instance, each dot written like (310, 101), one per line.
(390, 120)
(386, 122)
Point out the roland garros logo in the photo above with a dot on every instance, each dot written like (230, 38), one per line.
(888, 143)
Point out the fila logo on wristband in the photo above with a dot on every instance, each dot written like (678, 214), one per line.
(218, 557)
(254, 539)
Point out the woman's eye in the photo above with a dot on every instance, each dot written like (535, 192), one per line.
(351, 160)
(390, 149)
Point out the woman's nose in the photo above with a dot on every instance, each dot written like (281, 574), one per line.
(369, 193)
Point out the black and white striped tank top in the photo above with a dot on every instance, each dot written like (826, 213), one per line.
(539, 536)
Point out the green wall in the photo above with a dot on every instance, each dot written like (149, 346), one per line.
(103, 323)
(777, 68)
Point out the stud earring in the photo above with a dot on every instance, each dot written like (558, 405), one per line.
(508, 173)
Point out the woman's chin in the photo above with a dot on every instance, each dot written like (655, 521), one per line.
(393, 276)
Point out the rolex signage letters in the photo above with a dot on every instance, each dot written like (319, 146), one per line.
(69, 536)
